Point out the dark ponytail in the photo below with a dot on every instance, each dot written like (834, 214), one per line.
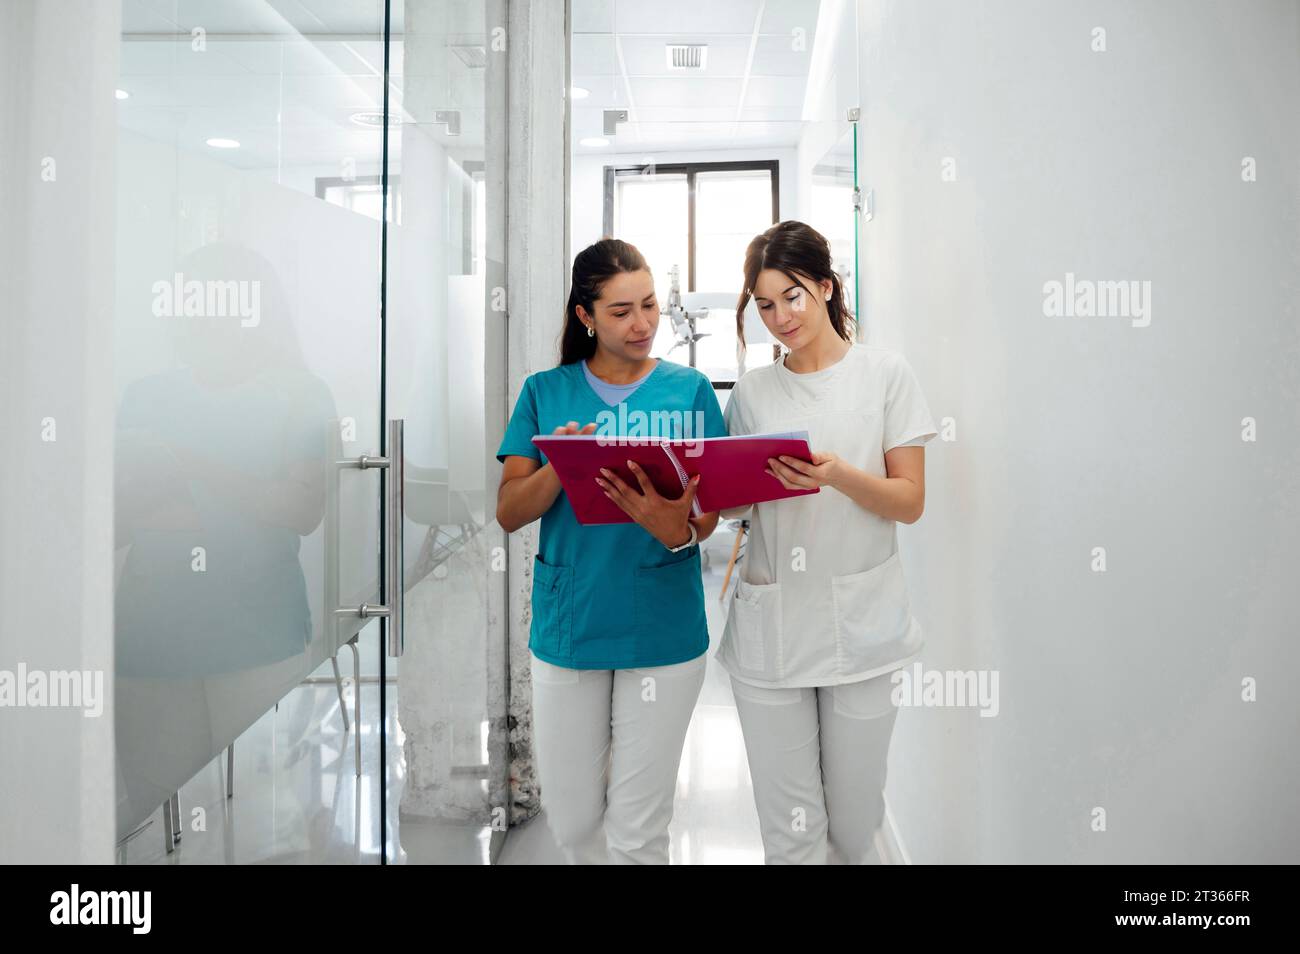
(592, 267)
(795, 249)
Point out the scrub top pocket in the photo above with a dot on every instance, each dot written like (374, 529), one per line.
(668, 606)
(872, 615)
(552, 629)
(754, 624)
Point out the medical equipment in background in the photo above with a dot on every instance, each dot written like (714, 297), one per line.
(683, 319)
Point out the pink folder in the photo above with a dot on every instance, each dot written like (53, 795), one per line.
(732, 469)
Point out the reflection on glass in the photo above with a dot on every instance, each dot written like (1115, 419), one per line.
(247, 362)
(832, 211)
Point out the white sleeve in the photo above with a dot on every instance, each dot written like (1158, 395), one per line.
(734, 415)
(907, 416)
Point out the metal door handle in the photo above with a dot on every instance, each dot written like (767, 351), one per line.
(394, 537)
(394, 567)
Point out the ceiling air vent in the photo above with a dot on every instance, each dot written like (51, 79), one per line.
(682, 56)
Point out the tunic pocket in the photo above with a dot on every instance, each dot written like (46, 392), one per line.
(872, 615)
(755, 625)
(668, 607)
(552, 629)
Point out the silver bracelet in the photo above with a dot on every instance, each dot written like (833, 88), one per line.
(695, 536)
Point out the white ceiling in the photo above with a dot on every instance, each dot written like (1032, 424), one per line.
(750, 94)
(284, 78)
(257, 16)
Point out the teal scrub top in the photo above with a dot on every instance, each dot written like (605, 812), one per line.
(611, 596)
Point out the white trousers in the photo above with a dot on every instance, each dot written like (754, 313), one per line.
(817, 758)
(608, 743)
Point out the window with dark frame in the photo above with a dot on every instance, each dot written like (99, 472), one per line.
(691, 175)
(691, 171)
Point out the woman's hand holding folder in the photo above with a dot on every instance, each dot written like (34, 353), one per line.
(665, 519)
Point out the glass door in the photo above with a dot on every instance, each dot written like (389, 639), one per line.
(250, 431)
(310, 307)
(447, 733)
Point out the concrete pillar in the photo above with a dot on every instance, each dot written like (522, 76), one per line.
(537, 237)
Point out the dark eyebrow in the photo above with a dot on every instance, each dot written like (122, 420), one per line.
(761, 298)
(620, 304)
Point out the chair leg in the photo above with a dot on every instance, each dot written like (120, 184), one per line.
(338, 684)
(731, 564)
(176, 817)
(167, 827)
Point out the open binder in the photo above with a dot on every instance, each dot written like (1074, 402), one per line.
(732, 469)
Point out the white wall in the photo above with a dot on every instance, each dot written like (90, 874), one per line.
(56, 495)
(1122, 689)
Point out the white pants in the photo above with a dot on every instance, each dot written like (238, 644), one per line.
(608, 743)
(817, 758)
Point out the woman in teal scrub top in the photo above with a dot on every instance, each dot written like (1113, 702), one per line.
(618, 636)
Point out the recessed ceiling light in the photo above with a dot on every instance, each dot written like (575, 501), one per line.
(577, 92)
(224, 143)
(593, 141)
(122, 94)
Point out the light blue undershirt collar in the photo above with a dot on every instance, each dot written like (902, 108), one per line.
(613, 394)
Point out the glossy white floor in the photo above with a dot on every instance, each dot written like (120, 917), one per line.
(297, 800)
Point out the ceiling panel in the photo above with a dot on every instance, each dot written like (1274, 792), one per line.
(591, 16)
(695, 91)
(166, 58)
(771, 91)
(593, 54)
(604, 92)
(141, 16)
(646, 55)
(778, 56)
(677, 114)
(782, 17)
(299, 57)
(790, 114)
(259, 16)
(713, 16)
(751, 91)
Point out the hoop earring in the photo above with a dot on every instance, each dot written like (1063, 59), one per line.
(590, 332)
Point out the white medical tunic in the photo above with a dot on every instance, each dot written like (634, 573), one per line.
(820, 599)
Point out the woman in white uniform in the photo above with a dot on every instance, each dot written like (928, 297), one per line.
(820, 618)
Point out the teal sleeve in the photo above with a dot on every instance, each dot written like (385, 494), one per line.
(706, 400)
(518, 439)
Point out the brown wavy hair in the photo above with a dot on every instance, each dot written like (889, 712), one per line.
(796, 249)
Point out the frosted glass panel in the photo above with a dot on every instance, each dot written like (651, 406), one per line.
(247, 363)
